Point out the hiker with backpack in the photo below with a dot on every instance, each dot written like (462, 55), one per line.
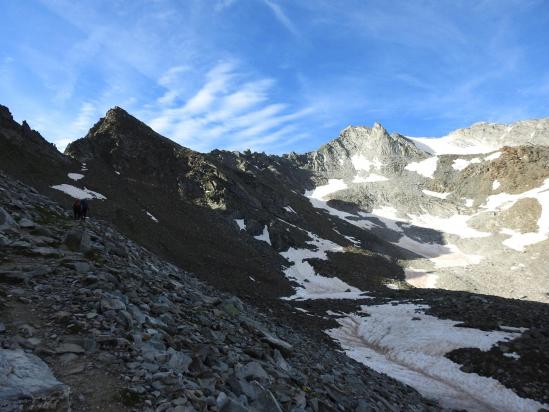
(76, 209)
(83, 209)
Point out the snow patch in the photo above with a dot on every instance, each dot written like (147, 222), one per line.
(405, 343)
(361, 163)
(240, 223)
(78, 193)
(455, 225)
(289, 209)
(469, 202)
(493, 156)
(311, 284)
(75, 176)
(512, 355)
(420, 278)
(320, 192)
(265, 237)
(460, 164)
(504, 201)
(436, 194)
(425, 168)
(441, 255)
(371, 178)
(495, 184)
(154, 219)
(448, 145)
(518, 241)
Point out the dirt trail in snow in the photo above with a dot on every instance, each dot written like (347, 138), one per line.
(386, 353)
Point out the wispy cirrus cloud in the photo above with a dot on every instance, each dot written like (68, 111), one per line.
(281, 16)
(231, 108)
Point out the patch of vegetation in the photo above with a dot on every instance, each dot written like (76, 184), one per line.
(129, 398)
(94, 256)
(47, 216)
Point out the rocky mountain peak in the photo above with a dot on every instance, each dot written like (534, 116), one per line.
(118, 122)
(116, 111)
(119, 134)
(358, 146)
(5, 114)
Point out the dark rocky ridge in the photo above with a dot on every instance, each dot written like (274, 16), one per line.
(25, 152)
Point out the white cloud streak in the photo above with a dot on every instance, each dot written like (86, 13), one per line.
(282, 17)
(229, 109)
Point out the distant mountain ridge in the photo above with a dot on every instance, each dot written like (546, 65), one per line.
(486, 137)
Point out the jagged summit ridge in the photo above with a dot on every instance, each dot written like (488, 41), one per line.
(362, 149)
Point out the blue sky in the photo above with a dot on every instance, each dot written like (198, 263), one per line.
(273, 75)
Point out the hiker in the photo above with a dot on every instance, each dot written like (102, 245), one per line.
(76, 209)
(83, 208)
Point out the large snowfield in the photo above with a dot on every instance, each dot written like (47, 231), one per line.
(403, 342)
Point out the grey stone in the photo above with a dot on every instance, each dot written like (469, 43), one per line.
(136, 313)
(278, 343)
(252, 370)
(47, 252)
(280, 361)
(69, 348)
(26, 223)
(233, 406)
(266, 402)
(26, 380)
(81, 267)
(112, 304)
(6, 221)
(68, 357)
(77, 240)
(221, 400)
(178, 360)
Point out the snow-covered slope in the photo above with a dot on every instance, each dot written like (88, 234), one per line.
(472, 205)
(487, 137)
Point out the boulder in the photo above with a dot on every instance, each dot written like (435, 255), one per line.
(6, 221)
(27, 383)
(112, 304)
(252, 370)
(69, 348)
(77, 240)
(26, 223)
(267, 403)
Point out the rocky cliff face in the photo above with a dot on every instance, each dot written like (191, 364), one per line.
(25, 152)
